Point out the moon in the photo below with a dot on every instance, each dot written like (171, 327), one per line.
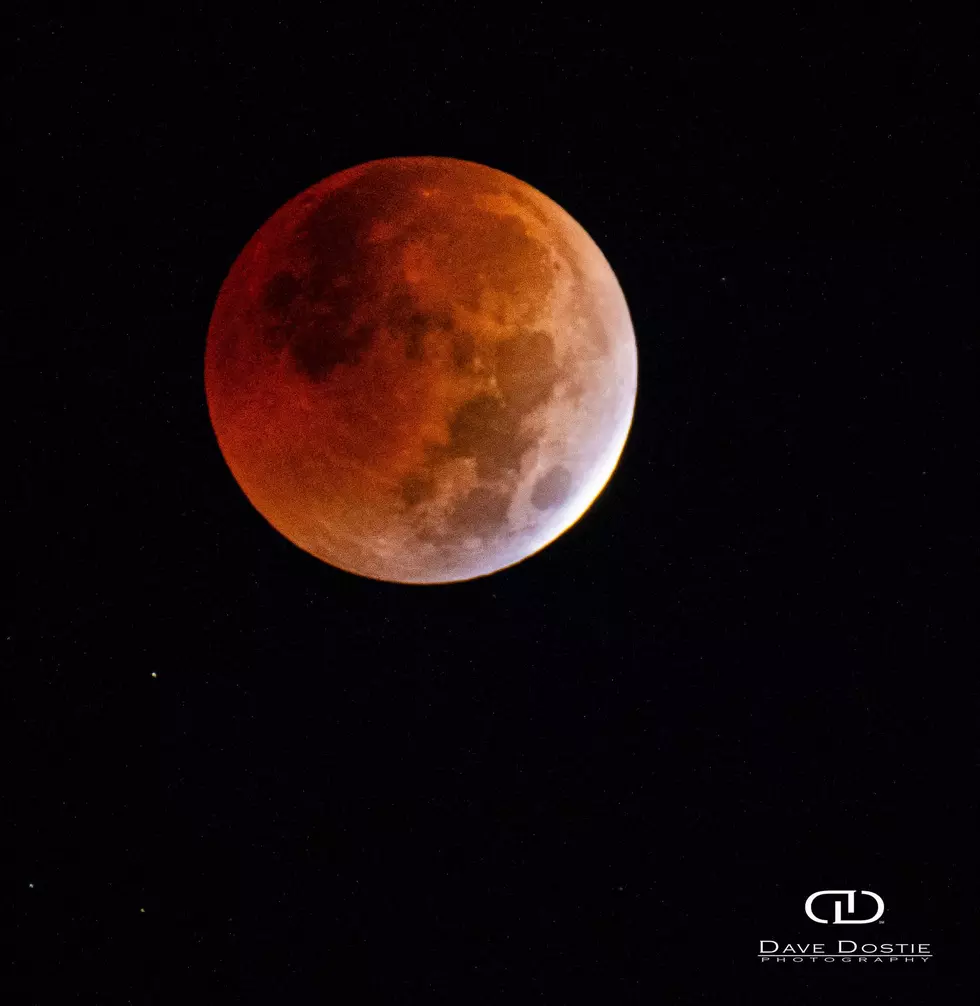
(421, 370)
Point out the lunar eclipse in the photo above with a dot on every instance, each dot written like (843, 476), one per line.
(421, 370)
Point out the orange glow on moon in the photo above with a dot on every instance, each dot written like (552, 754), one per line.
(421, 370)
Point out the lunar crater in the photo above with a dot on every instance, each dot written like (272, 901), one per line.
(551, 489)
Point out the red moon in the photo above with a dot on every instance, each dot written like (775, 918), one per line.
(421, 370)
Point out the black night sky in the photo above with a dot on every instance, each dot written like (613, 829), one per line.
(236, 774)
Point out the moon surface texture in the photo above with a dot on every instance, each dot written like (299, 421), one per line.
(421, 370)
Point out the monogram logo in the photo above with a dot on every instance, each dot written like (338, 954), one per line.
(839, 920)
